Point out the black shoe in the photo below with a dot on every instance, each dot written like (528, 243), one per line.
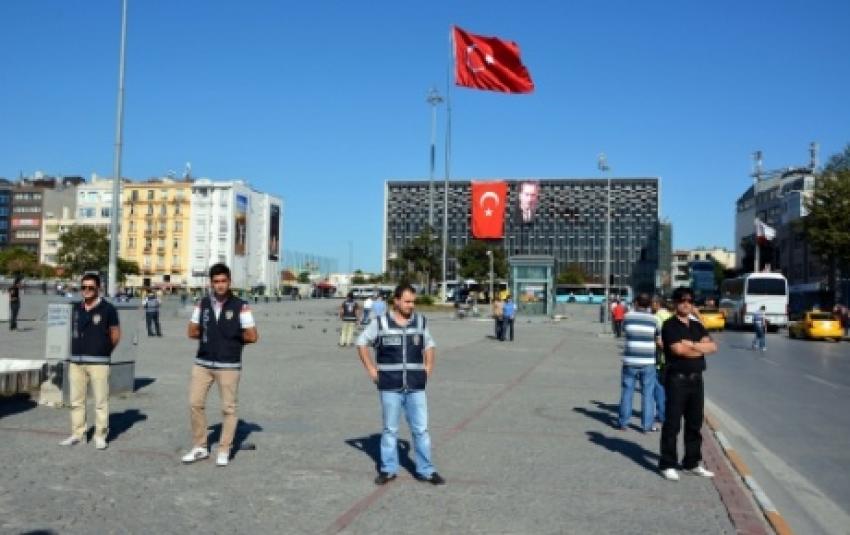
(384, 478)
(434, 479)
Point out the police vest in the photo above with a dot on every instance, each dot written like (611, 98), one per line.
(221, 339)
(91, 341)
(400, 354)
(349, 310)
(151, 305)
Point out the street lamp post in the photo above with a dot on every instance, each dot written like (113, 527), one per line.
(602, 163)
(114, 235)
(434, 99)
(490, 255)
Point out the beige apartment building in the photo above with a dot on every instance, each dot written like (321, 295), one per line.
(155, 224)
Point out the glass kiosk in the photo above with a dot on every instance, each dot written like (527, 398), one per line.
(532, 283)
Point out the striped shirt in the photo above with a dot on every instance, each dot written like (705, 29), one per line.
(642, 329)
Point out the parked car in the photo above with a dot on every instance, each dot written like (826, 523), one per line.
(712, 319)
(816, 325)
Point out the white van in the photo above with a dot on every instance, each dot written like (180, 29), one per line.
(742, 296)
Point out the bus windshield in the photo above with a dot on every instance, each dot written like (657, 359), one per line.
(766, 287)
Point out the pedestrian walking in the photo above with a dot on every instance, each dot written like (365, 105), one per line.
(379, 307)
(14, 303)
(95, 332)
(686, 343)
(404, 360)
(367, 308)
(663, 312)
(349, 313)
(760, 327)
(509, 313)
(643, 336)
(222, 323)
(617, 316)
(151, 305)
(498, 316)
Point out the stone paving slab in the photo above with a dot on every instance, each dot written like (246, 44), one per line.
(521, 431)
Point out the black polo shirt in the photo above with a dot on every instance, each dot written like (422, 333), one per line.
(674, 330)
(90, 336)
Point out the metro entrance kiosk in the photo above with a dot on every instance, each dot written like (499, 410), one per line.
(532, 283)
(55, 390)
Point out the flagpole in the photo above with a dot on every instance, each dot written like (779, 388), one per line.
(757, 261)
(448, 157)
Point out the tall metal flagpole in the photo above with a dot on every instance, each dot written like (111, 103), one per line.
(448, 162)
(434, 100)
(603, 167)
(114, 234)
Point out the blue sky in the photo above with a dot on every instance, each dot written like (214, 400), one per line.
(320, 102)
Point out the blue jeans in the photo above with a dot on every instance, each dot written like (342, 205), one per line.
(760, 341)
(415, 405)
(660, 399)
(647, 386)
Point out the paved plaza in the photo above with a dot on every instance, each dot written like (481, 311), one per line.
(522, 432)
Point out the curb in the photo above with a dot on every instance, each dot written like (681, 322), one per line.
(774, 518)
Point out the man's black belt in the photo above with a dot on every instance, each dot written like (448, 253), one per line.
(690, 376)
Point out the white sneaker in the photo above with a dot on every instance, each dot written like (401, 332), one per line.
(100, 443)
(670, 474)
(195, 454)
(223, 458)
(701, 472)
(72, 440)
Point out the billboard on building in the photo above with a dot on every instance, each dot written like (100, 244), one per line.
(529, 195)
(274, 232)
(240, 246)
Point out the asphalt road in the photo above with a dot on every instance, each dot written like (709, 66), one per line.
(786, 411)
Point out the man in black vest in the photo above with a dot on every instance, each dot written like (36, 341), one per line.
(686, 343)
(223, 324)
(404, 352)
(95, 332)
(349, 313)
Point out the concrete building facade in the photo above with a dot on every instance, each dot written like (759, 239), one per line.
(239, 226)
(568, 224)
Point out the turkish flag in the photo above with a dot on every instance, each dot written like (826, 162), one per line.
(489, 63)
(488, 209)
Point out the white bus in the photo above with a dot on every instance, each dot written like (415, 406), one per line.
(742, 296)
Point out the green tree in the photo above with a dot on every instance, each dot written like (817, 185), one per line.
(475, 263)
(84, 248)
(18, 261)
(573, 274)
(422, 259)
(827, 225)
(358, 277)
(838, 162)
(304, 277)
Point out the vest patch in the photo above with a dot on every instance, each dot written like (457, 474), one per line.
(392, 340)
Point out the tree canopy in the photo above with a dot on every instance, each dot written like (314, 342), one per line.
(84, 248)
(573, 274)
(475, 264)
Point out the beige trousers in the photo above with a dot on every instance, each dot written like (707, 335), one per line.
(199, 387)
(347, 333)
(79, 376)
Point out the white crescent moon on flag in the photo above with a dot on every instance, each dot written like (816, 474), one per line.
(486, 195)
(488, 59)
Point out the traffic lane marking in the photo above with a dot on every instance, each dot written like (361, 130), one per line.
(823, 381)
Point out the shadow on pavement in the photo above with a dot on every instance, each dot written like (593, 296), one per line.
(243, 431)
(607, 416)
(635, 452)
(371, 446)
(121, 422)
(16, 404)
(142, 382)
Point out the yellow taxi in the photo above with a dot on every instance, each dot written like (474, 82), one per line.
(712, 319)
(816, 325)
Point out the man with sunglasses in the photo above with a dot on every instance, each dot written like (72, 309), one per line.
(686, 342)
(95, 332)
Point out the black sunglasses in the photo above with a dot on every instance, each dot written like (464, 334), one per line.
(88, 287)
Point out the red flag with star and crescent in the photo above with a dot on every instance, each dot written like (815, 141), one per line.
(488, 209)
(489, 63)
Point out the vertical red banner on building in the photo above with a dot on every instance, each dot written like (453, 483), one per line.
(488, 209)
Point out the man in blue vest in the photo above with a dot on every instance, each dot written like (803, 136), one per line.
(151, 305)
(349, 313)
(95, 332)
(223, 324)
(404, 359)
